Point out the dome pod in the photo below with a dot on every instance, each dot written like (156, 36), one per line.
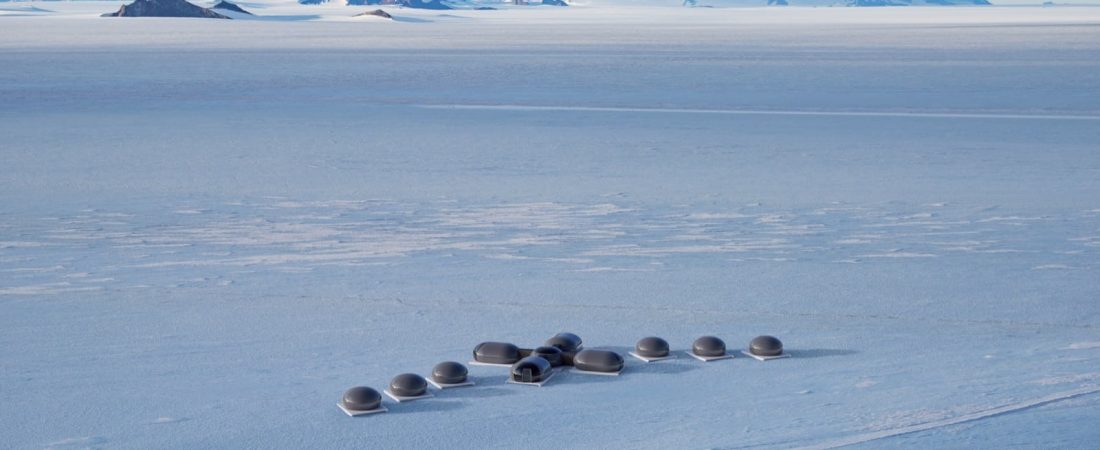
(552, 354)
(449, 372)
(408, 385)
(708, 346)
(598, 361)
(361, 398)
(766, 346)
(566, 342)
(532, 369)
(496, 353)
(651, 347)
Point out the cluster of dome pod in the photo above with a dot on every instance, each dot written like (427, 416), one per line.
(708, 346)
(362, 399)
(536, 365)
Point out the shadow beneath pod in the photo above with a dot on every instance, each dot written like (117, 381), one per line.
(681, 363)
(570, 376)
(819, 352)
(481, 389)
(424, 405)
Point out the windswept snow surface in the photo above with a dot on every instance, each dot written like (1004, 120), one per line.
(210, 229)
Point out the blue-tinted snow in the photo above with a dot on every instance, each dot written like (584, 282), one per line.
(209, 230)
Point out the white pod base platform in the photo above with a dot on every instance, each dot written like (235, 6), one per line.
(711, 358)
(354, 413)
(589, 372)
(401, 398)
(765, 358)
(485, 364)
(442, 386)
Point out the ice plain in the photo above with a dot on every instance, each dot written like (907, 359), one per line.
(210, 229)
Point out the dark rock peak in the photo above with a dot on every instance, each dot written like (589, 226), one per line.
(224, 5)
(377, 12)
(164, 8)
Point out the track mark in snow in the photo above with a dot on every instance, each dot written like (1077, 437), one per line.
(866, 384)
(765, 112)
(282, 235)
(610, 269)
(1013, 407)
(166, 419)
(898, 255)
(80, 442)
(1083, 345)
(1066, 379)
(1052, 267)
(49, 288)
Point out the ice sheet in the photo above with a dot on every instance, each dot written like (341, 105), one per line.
(210, 229)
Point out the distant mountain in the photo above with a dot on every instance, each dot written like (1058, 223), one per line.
(375, 13)
(226, 6)
(164, 8)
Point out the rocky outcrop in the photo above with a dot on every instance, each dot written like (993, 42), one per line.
(232, 7)
(424, 4)
(164, 8)
(377, 13)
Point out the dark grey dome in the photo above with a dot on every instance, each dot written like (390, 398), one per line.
(651, 347)
(532, 369)
(361, 398)
(496, 353)
(566, 342)
(549, 353)
(766, 346)
(408, 385)
(449, 372)
(598, 361)
(708, 346)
